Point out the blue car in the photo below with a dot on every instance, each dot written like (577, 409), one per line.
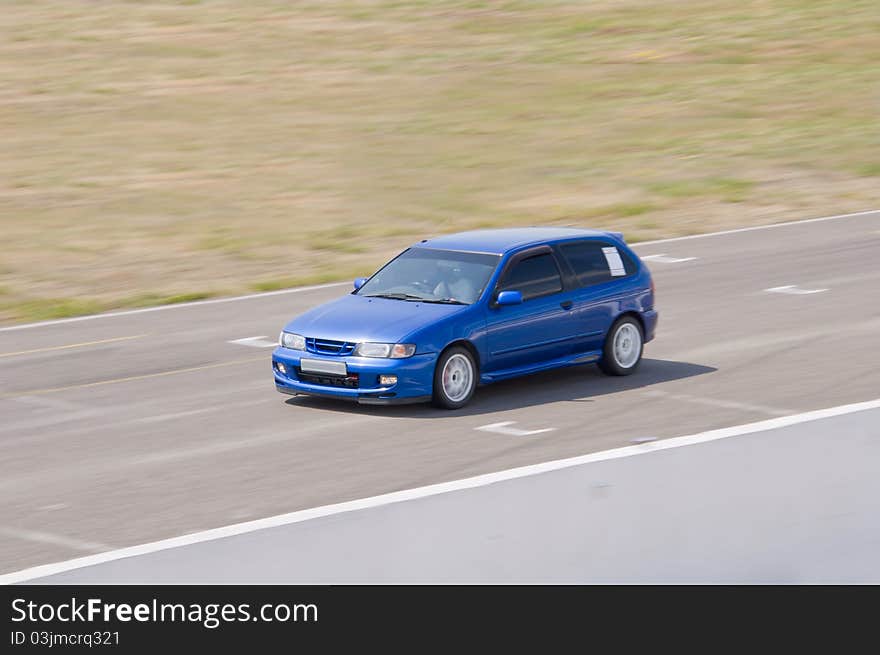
(465, 309)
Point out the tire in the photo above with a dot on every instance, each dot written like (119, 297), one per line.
(623, 348)
(457, 367)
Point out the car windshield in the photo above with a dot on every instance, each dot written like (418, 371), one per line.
(428, 275)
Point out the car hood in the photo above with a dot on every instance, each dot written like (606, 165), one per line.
(358, 318)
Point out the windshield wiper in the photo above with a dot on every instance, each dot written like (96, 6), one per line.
(395, 296)
(444, 301)
(413, 298)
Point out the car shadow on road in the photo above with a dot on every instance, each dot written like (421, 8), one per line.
(572, 384)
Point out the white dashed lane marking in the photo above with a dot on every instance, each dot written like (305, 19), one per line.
(261, 341)
(36, 536)
(715, 402)
(664, 259)
(793, 290)
(502, 428)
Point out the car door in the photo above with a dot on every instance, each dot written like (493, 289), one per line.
(541, 327)
(599, 268)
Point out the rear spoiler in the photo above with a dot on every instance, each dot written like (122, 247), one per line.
(616, 235)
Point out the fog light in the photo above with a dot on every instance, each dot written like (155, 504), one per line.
(387, 380)
(281, 368)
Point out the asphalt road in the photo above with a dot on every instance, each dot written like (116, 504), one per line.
(795, 504)
(120, 430)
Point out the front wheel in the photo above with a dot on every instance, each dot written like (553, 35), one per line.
(623, 347)
(455, 378)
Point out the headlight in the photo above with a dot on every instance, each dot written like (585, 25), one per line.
(291, 340)
(392, 350)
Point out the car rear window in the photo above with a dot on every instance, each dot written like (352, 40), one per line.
(533, 276)
(594, 262)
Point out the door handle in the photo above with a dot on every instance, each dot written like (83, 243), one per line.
(566, 304)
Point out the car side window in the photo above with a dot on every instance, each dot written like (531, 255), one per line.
(594, 262)
(533, 276)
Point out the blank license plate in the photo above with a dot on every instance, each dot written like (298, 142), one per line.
(322, 366)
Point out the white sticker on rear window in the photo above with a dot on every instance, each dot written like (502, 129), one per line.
(615, 263)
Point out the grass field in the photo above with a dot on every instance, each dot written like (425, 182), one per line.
(158, 152)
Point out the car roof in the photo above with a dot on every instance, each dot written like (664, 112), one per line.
(500, 241)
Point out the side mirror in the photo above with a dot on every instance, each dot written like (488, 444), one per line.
(509, 298)
(359, 282)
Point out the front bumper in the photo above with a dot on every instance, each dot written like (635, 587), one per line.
(415, 377)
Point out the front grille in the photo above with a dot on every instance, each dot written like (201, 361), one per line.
(350, 381)
(329, 347)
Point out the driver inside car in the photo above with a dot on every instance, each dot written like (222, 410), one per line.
(455, 286)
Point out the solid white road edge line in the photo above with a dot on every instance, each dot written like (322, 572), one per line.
(159, 308)
(267, 294)
(757, 227)
(432, 490)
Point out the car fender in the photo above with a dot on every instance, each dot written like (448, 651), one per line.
(469, 325)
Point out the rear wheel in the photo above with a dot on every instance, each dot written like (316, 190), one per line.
(455, 378)
(623, 347)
